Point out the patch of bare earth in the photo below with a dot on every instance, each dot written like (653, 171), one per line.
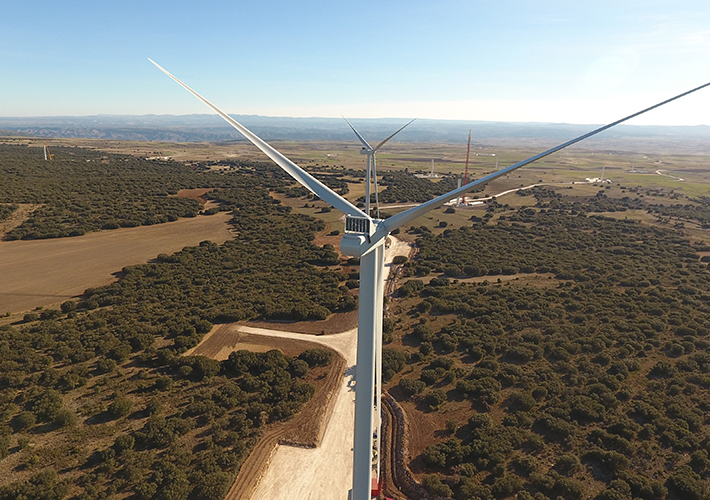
(197, 194)
(305, 430)
(46, 272)
(539, 279)
(422, 426)
(300, 470)
(325, 238)
(17, 217)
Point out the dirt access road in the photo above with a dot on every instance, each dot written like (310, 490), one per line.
(325, 471)
(44, 272)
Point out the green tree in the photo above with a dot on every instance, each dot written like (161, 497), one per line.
(64, 418)
(316, 357)
(433, 484)
(213, 486)
(25, 420)
(120, 407)
(48, 405)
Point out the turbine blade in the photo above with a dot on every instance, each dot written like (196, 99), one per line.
(411, 214)
(304, 178)
(362, 139)
(390, 137)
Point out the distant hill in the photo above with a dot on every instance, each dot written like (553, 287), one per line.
(206, 127)
(7, 133)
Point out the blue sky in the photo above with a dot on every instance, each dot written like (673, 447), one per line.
(565, 61)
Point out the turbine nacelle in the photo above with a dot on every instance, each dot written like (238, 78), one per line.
(361, 235)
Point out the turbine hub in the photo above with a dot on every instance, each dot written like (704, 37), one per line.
(353, 245)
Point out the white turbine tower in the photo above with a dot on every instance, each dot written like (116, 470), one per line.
(365, 238)
(372, 165)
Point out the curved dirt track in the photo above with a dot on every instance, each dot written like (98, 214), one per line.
(306, 429)
(326, 471)
(303, 433)
(284, 465)
(389, 472)
(322, 472)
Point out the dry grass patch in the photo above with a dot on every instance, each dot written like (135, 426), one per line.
(45, 272)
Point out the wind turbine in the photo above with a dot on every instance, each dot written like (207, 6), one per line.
(365, 238)
(465, 170)
(372, 165)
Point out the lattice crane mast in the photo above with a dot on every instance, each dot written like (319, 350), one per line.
(47, 155)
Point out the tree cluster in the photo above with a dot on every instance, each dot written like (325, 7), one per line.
(403, 187)
(6, 211)
(85, 190)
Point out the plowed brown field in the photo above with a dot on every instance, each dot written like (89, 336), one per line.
(44, 272)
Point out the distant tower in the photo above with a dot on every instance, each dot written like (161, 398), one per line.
(432, 168)
(603, 167)
(47, 154)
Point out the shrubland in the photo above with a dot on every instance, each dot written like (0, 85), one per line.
(585, 376)
(97, 399)
(6, 211)
(564, 353)
(85, 190)
(403, 187)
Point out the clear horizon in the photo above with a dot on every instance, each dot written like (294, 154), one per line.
(219, 121)
(515, 61)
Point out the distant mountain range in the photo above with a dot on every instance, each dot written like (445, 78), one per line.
(206, 127)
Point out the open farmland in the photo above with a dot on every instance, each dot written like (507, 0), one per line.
(123, 341)
(44, 272)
